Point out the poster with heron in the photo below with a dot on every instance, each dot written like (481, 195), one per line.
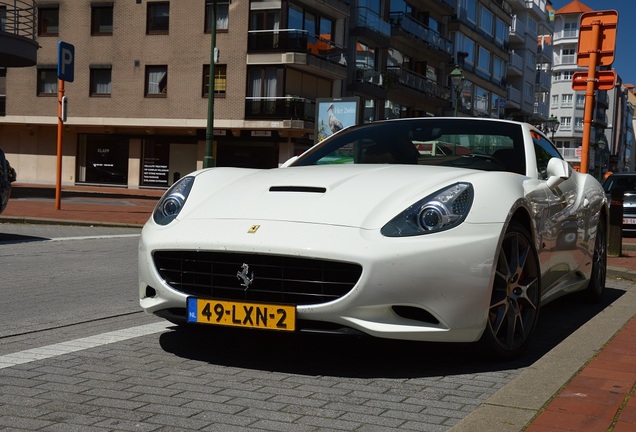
(333, 115)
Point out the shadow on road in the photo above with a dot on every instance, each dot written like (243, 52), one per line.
(366, 357)
(19, 238)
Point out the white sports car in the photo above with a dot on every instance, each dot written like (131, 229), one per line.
(429, 229)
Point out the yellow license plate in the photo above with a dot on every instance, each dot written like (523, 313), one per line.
(240, 314)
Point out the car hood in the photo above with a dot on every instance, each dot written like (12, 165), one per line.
(365, 196)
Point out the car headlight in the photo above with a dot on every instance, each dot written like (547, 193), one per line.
(172, 201)
(440, 211)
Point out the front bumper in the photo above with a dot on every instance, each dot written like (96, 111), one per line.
(446, 275)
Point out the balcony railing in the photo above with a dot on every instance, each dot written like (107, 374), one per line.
(517, 27)
(371, 20)
(570, 153)
(421, 31)
(516, 61)
(543, 79)
(418, 82)
(295, 40)
(541, 109)
(289, 107)
(565, 59)
(20, 18)
(514, 95)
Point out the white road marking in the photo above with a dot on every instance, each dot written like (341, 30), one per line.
(94, 237)
(62, 348)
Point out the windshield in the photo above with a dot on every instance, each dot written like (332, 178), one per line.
(624, 183)
(485, 145)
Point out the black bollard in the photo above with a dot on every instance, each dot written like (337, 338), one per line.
(615, 235)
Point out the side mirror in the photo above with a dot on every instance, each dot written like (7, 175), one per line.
(558, 171)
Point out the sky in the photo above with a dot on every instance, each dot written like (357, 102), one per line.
(625, 54)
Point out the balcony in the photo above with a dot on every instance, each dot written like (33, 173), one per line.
(541, 109)
(401, 76)
(517, 30)
(514, 96)
(567, 34)
(571, 154)
(515, 65)
(18, 25)
(306, 51)
(565, 59)
(543, 79)
(280, 108)
(410, 26)
(538, 8)
(371, 21)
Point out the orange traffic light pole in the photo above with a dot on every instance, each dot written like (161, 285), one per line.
(588, 114)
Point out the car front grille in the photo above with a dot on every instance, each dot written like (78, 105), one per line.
(274, 278)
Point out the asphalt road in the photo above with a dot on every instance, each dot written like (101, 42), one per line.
(76, 353)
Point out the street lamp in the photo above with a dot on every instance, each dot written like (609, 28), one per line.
(457, 79)
(601, 143)
(552, 124)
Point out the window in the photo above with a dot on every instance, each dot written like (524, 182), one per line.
(156, 81)
(566, 100)
(566, 123)
(532, 26)
(481, 101)
(555, 100)
(578, 123)
(47, 81)
(486, 21)
(570, 29)
(101, 20)
(501, 32)
(100, 80)
(3, 18)
(48, 20)
(568, 56)
(158, 18)
(220, 80)
(544, 151)
(484, 62)
(498, 70)
(222, 16)
(580, 100)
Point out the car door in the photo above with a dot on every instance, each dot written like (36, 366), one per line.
(566, 235)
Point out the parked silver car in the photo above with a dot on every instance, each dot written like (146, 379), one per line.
(626, 183)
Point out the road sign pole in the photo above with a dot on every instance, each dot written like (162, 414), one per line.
(60, 133)
(588, 115)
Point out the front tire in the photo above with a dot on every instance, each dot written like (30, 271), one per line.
(516, 293)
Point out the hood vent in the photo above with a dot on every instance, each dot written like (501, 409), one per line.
(307, 189)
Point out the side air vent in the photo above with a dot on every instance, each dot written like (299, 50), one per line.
(307, 189)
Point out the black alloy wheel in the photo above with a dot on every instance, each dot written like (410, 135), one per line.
(516, 293)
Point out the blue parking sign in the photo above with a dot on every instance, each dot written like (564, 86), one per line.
(65, 61)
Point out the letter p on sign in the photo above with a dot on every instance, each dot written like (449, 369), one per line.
(65, 61)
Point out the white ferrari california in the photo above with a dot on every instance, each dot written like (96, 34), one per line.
(428, 229)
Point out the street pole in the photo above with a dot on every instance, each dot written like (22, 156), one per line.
(588, 112)
(208, 158)
(60, 133)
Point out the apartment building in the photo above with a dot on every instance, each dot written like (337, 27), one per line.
(568, 105)
(530, 65)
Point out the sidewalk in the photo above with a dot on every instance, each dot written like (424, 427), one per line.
(591, 384)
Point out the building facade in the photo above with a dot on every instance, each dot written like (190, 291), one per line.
(138, 105)
(530, 64)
